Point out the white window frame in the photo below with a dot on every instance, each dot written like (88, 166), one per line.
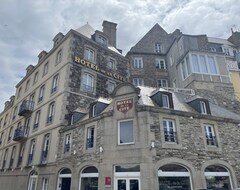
(55, 83)
(51, 112)
(168, 129)
(162, 83)
(59, 56)
(167, 98)
(138, 81)
(41, 93)
(137, 62)
(45, 68)
(158, 48)
(119, 135)
(37, 119)
(203, 107)
(88, 82)
(160, 63)
(89, 54)
(45, 184)
(210, 131)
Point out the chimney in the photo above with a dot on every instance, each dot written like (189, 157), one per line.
(110, 29)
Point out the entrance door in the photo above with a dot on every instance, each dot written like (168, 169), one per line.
(66, 183)
(127, 184)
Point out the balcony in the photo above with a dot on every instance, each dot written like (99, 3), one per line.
(26, 108)
(19, 135)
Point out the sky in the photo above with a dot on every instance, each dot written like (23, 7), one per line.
(27, 26)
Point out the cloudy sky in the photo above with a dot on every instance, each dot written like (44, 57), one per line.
(27, 27)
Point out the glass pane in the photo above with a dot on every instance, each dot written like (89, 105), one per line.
(90, 170)
(173, 168)
(212, 65)
(121, 184)
(165, 101)
(215, 168)
(195, 64)
(218, 183)
(126, 131)
(174, 183)
(66, 171)
(89, 183)
(203, 64)
(134, 184)
(128, 168)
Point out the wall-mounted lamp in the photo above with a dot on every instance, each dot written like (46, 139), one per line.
(100, 149)
(74, 152)
(152, 144)
(191, 117)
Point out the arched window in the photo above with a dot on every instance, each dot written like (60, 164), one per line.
(32, 183)
(173, 176)
(89, 179)
(217, 177)
(64, 179)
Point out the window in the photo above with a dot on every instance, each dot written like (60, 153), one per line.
(138, 82)
(32, 100)
(89, 54)
(90, 137)
(5, 120)
(27, 85)
(5, 159)
(31, 152)
(12, 157)
(217, 177)
(111, 64)
(170, 134)
(14, 113)
(37, 119)
(67, 144)
(196, 67)
(158, 48)
(32, 182)
(226, 51)
(211, 139)
(10, 133)
(55, 83)
(203, 107)
(45, 184)
(172, 175)
(45, 149)
(110, 86)
(213, 49)
(162, 83)
(93, 110)
(51, 111)
(165, 101)
(41, 93)
(102, 40)
(20, 157)
(125, 132)
(160, 63)
(35, 78)
(64, 177)
(27, 126)
(45, 69)
(1, 138)
(88, 80)
(89, 178)
(19, 92)
(204, 68)
(212, 65)
(59, 57)
(138, 62)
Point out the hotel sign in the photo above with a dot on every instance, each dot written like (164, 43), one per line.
(124, 105)
(96, 68)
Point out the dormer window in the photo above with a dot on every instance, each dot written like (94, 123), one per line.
(203, 107)
(157, 48)
(97, 107)
(94, 110)
(165, 101)
(102, 40)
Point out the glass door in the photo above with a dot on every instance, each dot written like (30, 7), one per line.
(128, 184)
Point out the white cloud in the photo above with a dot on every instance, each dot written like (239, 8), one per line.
(27, 27)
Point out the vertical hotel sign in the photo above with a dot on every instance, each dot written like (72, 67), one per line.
(95, 67)
(124, 105)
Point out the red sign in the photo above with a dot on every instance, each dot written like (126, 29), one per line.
(107, 181)
(124, 105)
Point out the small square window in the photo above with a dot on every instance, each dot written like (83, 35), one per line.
(125, 132)
(162, 83)
(160, 63)
(138, 62)
(138, 81)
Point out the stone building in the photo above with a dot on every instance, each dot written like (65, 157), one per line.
(147, 138)
(82, 65)
(210, 66)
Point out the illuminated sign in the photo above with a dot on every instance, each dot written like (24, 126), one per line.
(124, 105)
(96, 68)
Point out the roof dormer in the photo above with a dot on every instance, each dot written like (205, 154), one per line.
(41, 55)
(100, 38)
(57, 39)
(163, 99)
(97, 107)
(200, 104)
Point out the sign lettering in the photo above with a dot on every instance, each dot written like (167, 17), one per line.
(124, 105)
